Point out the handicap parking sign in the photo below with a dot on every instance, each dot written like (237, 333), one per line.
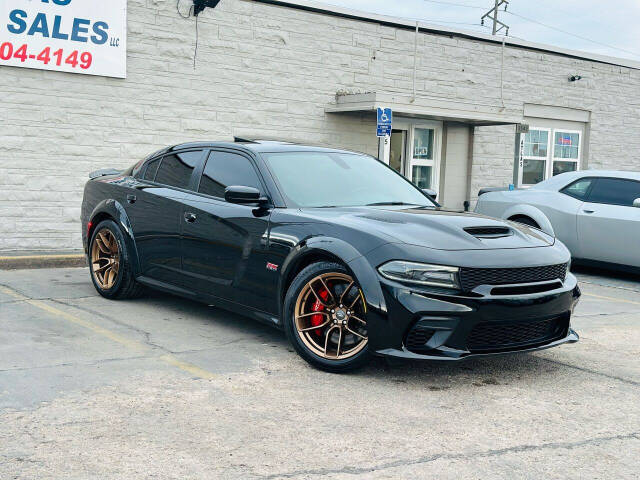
(385, 120)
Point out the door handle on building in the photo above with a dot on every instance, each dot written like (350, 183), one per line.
(131, 198)
(190, 217)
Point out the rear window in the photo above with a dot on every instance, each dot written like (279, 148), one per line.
(176, 169)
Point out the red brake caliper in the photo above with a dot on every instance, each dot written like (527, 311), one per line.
(318, 307)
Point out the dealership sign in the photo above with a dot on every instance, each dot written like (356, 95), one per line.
(78, 36)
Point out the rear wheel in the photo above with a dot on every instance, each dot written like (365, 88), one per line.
(325, 318)
(109, 263)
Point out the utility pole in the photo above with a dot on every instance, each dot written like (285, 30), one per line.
(493, 15)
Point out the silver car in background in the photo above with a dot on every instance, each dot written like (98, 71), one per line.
(595, 213)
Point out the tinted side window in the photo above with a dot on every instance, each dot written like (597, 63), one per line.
(152, 168)
(224, 169)
(615, 191)
(176, 169)
(578, 189)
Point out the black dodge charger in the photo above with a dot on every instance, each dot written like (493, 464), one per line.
(334, 247)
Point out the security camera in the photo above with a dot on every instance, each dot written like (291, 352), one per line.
(200, 5)
(575, 78)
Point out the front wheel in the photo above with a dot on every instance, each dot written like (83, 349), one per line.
(325, 318)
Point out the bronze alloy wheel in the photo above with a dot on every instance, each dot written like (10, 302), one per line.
(105, 258)
(330, 316)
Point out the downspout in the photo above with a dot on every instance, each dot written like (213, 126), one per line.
(415, 62)
(502, 75)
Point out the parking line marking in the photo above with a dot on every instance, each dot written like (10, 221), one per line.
(621, 300)
(132, 344)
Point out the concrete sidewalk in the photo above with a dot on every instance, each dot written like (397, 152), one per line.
(37, 259)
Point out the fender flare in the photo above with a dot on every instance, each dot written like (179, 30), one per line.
(532, 212)
(343, 252)
(115, 210)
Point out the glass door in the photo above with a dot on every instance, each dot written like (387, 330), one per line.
(424, 165)
(397, 150)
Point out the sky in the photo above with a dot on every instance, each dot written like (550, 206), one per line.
(606, 27)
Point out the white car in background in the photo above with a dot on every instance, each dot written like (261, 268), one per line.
(596, 214)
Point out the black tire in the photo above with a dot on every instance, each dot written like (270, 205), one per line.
(295, 289)
(125, 285)
(525, 221)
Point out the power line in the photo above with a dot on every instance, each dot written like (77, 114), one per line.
(572, 34)
(451, 4)
(430, 21)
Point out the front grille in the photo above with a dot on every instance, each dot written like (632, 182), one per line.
(470, 278)
(489, 336)
(417, 338)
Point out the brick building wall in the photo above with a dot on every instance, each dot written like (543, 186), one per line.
(269, 71)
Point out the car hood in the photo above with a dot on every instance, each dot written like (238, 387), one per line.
(434, 228)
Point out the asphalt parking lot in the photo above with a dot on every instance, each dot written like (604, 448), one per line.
(162, 387)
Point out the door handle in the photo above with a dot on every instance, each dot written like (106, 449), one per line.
(589, 211)
(131, 198)
(190, 217)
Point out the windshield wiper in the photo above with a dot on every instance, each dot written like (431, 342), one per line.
(379, 204)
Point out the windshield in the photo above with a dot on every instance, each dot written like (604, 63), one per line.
(324, 179)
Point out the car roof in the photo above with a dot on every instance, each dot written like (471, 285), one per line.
(262, 146)
(564, 179)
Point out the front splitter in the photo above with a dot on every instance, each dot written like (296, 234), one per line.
(459, 355)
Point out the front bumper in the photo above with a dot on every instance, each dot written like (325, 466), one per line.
(458, 326)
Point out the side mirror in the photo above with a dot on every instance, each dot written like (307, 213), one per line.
(636, 203)
(244, 195)
(432, 194)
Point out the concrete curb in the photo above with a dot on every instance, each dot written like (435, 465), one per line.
(18, 262)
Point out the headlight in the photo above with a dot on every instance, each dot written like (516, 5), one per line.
(421, 273)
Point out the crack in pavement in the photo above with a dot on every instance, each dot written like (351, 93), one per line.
(147, 335)
(452, 456)
(27, 297)
(168, 358)
(593, 372)
(629, 289)
(584, 315)
(78, 364)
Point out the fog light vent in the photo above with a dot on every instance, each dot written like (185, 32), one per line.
(417, 339)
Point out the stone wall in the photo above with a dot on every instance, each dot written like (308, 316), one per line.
(268, 71)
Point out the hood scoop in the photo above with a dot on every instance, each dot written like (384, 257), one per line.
(489, 232)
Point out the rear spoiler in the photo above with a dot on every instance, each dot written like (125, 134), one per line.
(493, 189)
(104, 172)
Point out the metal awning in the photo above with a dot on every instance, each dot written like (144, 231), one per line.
(430, 108)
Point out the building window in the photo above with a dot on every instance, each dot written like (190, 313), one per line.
(535, 156)
(423, 161)
(566, 151)
(542, 159)
(423, 144)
